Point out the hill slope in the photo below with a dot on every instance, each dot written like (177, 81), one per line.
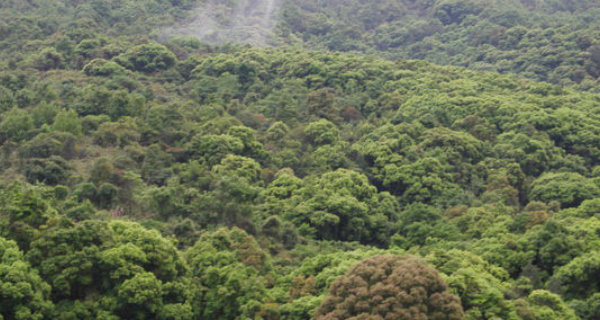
(186, 181)
(554, 41)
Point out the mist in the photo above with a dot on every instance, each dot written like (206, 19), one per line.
(243, 22)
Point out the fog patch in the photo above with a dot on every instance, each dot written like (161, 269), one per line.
(236, 21)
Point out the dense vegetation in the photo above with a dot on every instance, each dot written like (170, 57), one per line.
(183, 181)
(549, 40)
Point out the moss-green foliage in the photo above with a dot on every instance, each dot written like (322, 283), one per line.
(24, 294)
(431, 158)
(232, 271)
(134, 270)
(179, 181)
(147, 58)
(546, 40)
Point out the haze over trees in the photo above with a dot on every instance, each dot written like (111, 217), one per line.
(327, 176)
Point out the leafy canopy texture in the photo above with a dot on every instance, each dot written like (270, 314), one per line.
(390, 287)
(23, 294)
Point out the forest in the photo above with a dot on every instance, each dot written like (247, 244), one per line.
(383, 160)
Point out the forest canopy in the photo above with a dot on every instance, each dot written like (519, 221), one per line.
(393, 159)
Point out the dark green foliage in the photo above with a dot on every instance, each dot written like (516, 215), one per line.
(51, 171)
(46, 145)
(577, 278)
(48, 59)
(146, 58)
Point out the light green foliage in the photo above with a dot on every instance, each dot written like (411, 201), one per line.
(46, 145)
(25, 211)
(252, 148)
(241, 167)
(121, 261)
(232, 269)
(6, 99)
(143, 290)
(342, 205)
(480, 286)
(278, 193)
(458, 147)
(101, 67)
(322, 132)
(421, 181)
(331, 157)
(542, 305)
(532, 155)
(120, 133)
(260, 175)
(568, 188)
(24, 294)
(212, 148)
(68, 121)
(277, 131)
(15, 125)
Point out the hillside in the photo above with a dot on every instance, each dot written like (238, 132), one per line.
(184, 180)
(555, 41)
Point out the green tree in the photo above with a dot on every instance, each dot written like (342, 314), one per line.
(24, 294)
(342, 205)
(322, 132)
(6, 99)
(68, 121)
(421, 223)
(213, 148)
(46, 145)
(232, 269)
(568, 188)
(101, 67)
(133, 271)
(544, 305)
(47, 59)
(156, 165)
(577, 278)
(148, 57)
(480, 285)
(424, 180)
(15, 125)
(24, 211)
(52, 171)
